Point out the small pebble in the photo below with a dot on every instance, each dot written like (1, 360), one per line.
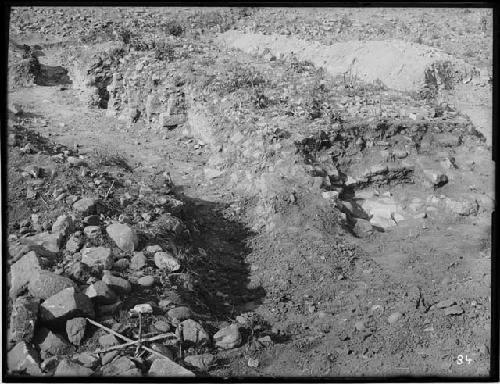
(146, 281)
(254, 363)
(162, 326)
(394, 317)
(359, 325)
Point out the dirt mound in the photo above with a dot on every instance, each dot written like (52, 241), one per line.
(398, 64)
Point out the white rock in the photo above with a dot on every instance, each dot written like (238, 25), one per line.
(165, 260)
(124, 236)
(228, 337)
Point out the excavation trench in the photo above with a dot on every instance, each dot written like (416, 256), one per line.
(287, 205)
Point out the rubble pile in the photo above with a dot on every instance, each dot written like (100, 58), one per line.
(105, 276)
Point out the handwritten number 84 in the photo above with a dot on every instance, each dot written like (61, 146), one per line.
(461, 360)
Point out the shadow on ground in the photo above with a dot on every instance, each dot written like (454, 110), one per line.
(214, 279)
(222, 271)
(52, 75)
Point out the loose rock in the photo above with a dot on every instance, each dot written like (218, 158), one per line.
(51, 344)
(121, 264)
(123, 367)
(162, 326)
(394, 317)
(22, 271)
(49, 241)
(152, 249)
(253, 363)
(92, 232)
(124, 236)
(167, 368)
(359, 325)
(165, 260)
(75, 329)
(202, 362)
(50, 364)
(67, 368)
(454, 310)
(99, 257)
(63, 224)
(65, 305)
(362, 228)
(146, 281)
(445, 303)
(23, 319)
(193, 332)
(45, 284)
(92, 220)
(108, 357)
(24, 358)
(108, 340)
(87, 360)
(100, 293)
(138, 261)
(74, 243)
(80, 271)
(228, 337)
(180, 313)
(117, 284)
(86, 206)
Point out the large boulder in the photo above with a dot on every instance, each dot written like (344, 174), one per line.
(124, 236)
(44, 284)
(66, 305)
